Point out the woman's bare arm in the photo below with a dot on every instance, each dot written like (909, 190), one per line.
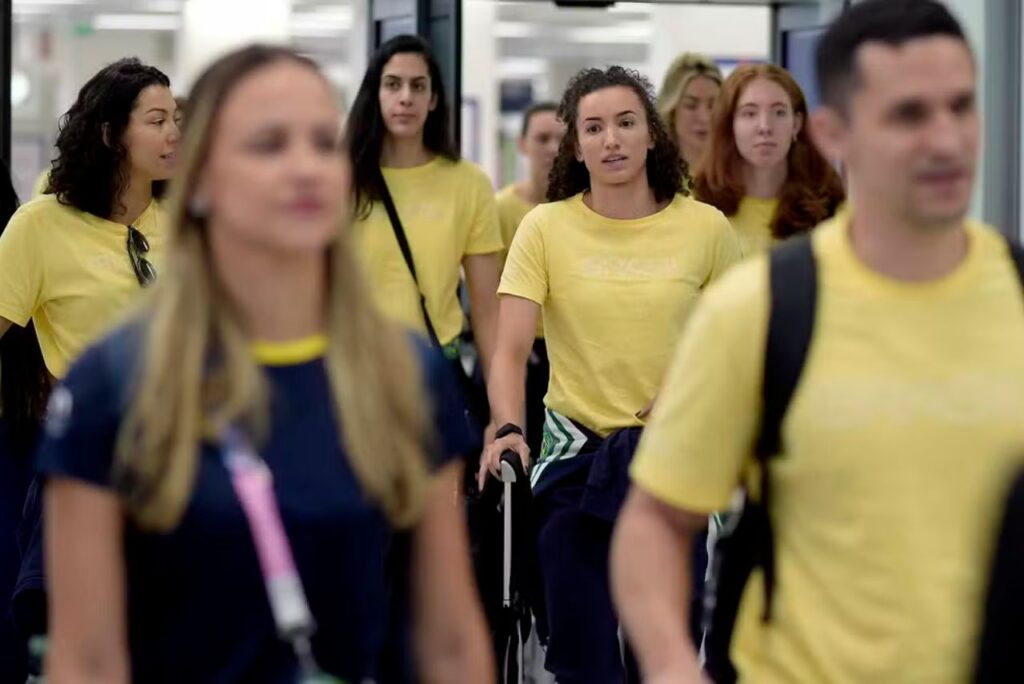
(85, 565)
(451, 635)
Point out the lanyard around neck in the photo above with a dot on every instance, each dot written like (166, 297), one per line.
(254, 485)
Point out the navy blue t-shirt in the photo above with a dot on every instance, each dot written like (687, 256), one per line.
(197, 606)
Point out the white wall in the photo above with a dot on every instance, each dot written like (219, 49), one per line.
(480, 82)
(734, 32)
(211, 28)
(85, 55)
(58, 52)
(972, 14)
(358, 48)
(59, 58)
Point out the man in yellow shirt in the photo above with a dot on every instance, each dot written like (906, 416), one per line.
(905, 428)
(541, 135)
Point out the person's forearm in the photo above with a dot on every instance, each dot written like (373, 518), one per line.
(86, 670)
(506, 388)
(485, 331)
(465, 659)
(457, 651)
(451, 633)
(651, 585)
(88, 640)
(482, 280)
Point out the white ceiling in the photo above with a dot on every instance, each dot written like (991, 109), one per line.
(526, 29)
(318, 27)
(310, 15)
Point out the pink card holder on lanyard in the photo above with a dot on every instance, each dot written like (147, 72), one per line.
(254, 485)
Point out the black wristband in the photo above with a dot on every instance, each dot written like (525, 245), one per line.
(508, 429)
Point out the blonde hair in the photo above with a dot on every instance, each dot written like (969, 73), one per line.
(197, 373)
(683, 70)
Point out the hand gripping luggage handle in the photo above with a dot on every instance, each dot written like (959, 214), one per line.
(511, 467)
(511, 472)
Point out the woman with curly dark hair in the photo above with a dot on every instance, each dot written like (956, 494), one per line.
(761, 168)
(614, 264)
(74, 259)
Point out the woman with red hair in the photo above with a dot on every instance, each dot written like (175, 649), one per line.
(761, 168)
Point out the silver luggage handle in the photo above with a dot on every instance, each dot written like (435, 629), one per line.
(509, 476)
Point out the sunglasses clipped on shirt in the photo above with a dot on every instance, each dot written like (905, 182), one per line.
(138, 245)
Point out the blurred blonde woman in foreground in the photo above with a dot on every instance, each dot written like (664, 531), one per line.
(229, 472)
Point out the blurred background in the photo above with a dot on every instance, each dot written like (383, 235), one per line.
(499, 56)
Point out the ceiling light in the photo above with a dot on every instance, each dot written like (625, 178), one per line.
(631, 32)
(164, 5)
(512, 67)
(324, 21)
(43, 3)
(136, 22)
(515, 29)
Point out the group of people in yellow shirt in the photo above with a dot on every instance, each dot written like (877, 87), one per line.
(611, 315)
(608, 269)
(903, 435)
(256, 347)
(895, 460)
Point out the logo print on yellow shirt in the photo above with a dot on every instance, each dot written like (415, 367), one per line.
(109, 262)
(630, 268)
(962, 399)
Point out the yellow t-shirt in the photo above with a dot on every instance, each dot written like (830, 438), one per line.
(615, 295)
(753, 224)
(447, 210)
(42, 181)
(69, 272)
(900, 442)
(511, 210)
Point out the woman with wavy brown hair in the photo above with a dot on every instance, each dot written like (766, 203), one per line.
(614, 263)
(761, 168)
(228, 473)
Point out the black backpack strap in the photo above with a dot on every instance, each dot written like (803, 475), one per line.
(403, 244)
(1017, 255)
(794, 295)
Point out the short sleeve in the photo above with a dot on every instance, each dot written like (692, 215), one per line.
(21, 269)
(448, 407)
(526, 273)
(508, 221)
(82, 422)
(42, 182)
(698, 441)
(485, 228)
(725, 247)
